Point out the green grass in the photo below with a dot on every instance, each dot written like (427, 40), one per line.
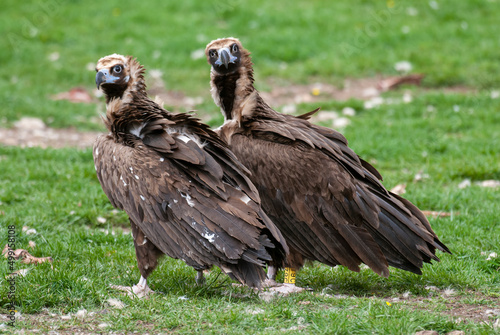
(453, 45)
(56, 192)
(449, 137)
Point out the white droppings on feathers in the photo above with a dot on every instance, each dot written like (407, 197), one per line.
(97, 151)
(131, 169)
(209, 237)
(142, 197)
(176, 201)
(188, 199)
(114, 157)
(162, 159)
(245, 199)
(124, 183)
(136, 176)
(184, 138)
(184, 135)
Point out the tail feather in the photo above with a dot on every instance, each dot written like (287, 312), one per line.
(247, 273)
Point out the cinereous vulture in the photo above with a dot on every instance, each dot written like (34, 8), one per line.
(328, 203)
(186, 194)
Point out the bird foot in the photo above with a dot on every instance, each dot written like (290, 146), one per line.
(136, 291)
(269, 283)
(285, 289)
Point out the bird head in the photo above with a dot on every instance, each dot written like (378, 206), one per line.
(225, 55)
(117, 74)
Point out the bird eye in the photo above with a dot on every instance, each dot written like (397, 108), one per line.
(234, 47)
(117, 69)
(212, 53)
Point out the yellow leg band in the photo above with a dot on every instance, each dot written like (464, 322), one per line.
(289, 276)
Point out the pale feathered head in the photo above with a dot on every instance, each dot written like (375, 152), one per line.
(118, 75)
(226, 55)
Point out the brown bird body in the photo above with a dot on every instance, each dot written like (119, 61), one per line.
(186, 194)
(328, 203)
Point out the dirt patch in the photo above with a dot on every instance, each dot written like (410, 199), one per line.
(32, 132)
(362, 89)
(460, 309)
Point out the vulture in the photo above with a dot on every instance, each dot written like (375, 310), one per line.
(186, 194)
(328, 203)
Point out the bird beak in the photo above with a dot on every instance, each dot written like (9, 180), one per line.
(225, 58)
(103, 76)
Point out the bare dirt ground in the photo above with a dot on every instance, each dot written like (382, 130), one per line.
(30, 132)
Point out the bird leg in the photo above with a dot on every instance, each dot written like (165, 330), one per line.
(289, 284)
(140, 290)
(147, 260)
(271, 272)
(271, 277)
(200, 279)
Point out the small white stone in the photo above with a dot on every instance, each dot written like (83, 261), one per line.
(326, 116)
(348, 111)
(373, 102)
(434, 5)
(256, 311)
(90, 66)
(155, 73)
(30, 231)
(407, 98)
(489, 183)
(289, 109)
(465, 183)
(449, 292)
(54, 56)
(116, 303)
(66, 317)
(491, 256)
(197, 54)
(81, 314)
(341, 122)
(403, 66)
(370, 92)
(412, 11)
(29, 123)
(100, 219)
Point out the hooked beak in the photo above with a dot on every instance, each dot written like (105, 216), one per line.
(225, 58)
(103, 76)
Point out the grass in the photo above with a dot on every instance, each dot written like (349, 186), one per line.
(446, 137)
(454, 44)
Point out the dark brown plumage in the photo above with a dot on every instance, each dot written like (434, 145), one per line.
(328, 203)
(186, 194)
